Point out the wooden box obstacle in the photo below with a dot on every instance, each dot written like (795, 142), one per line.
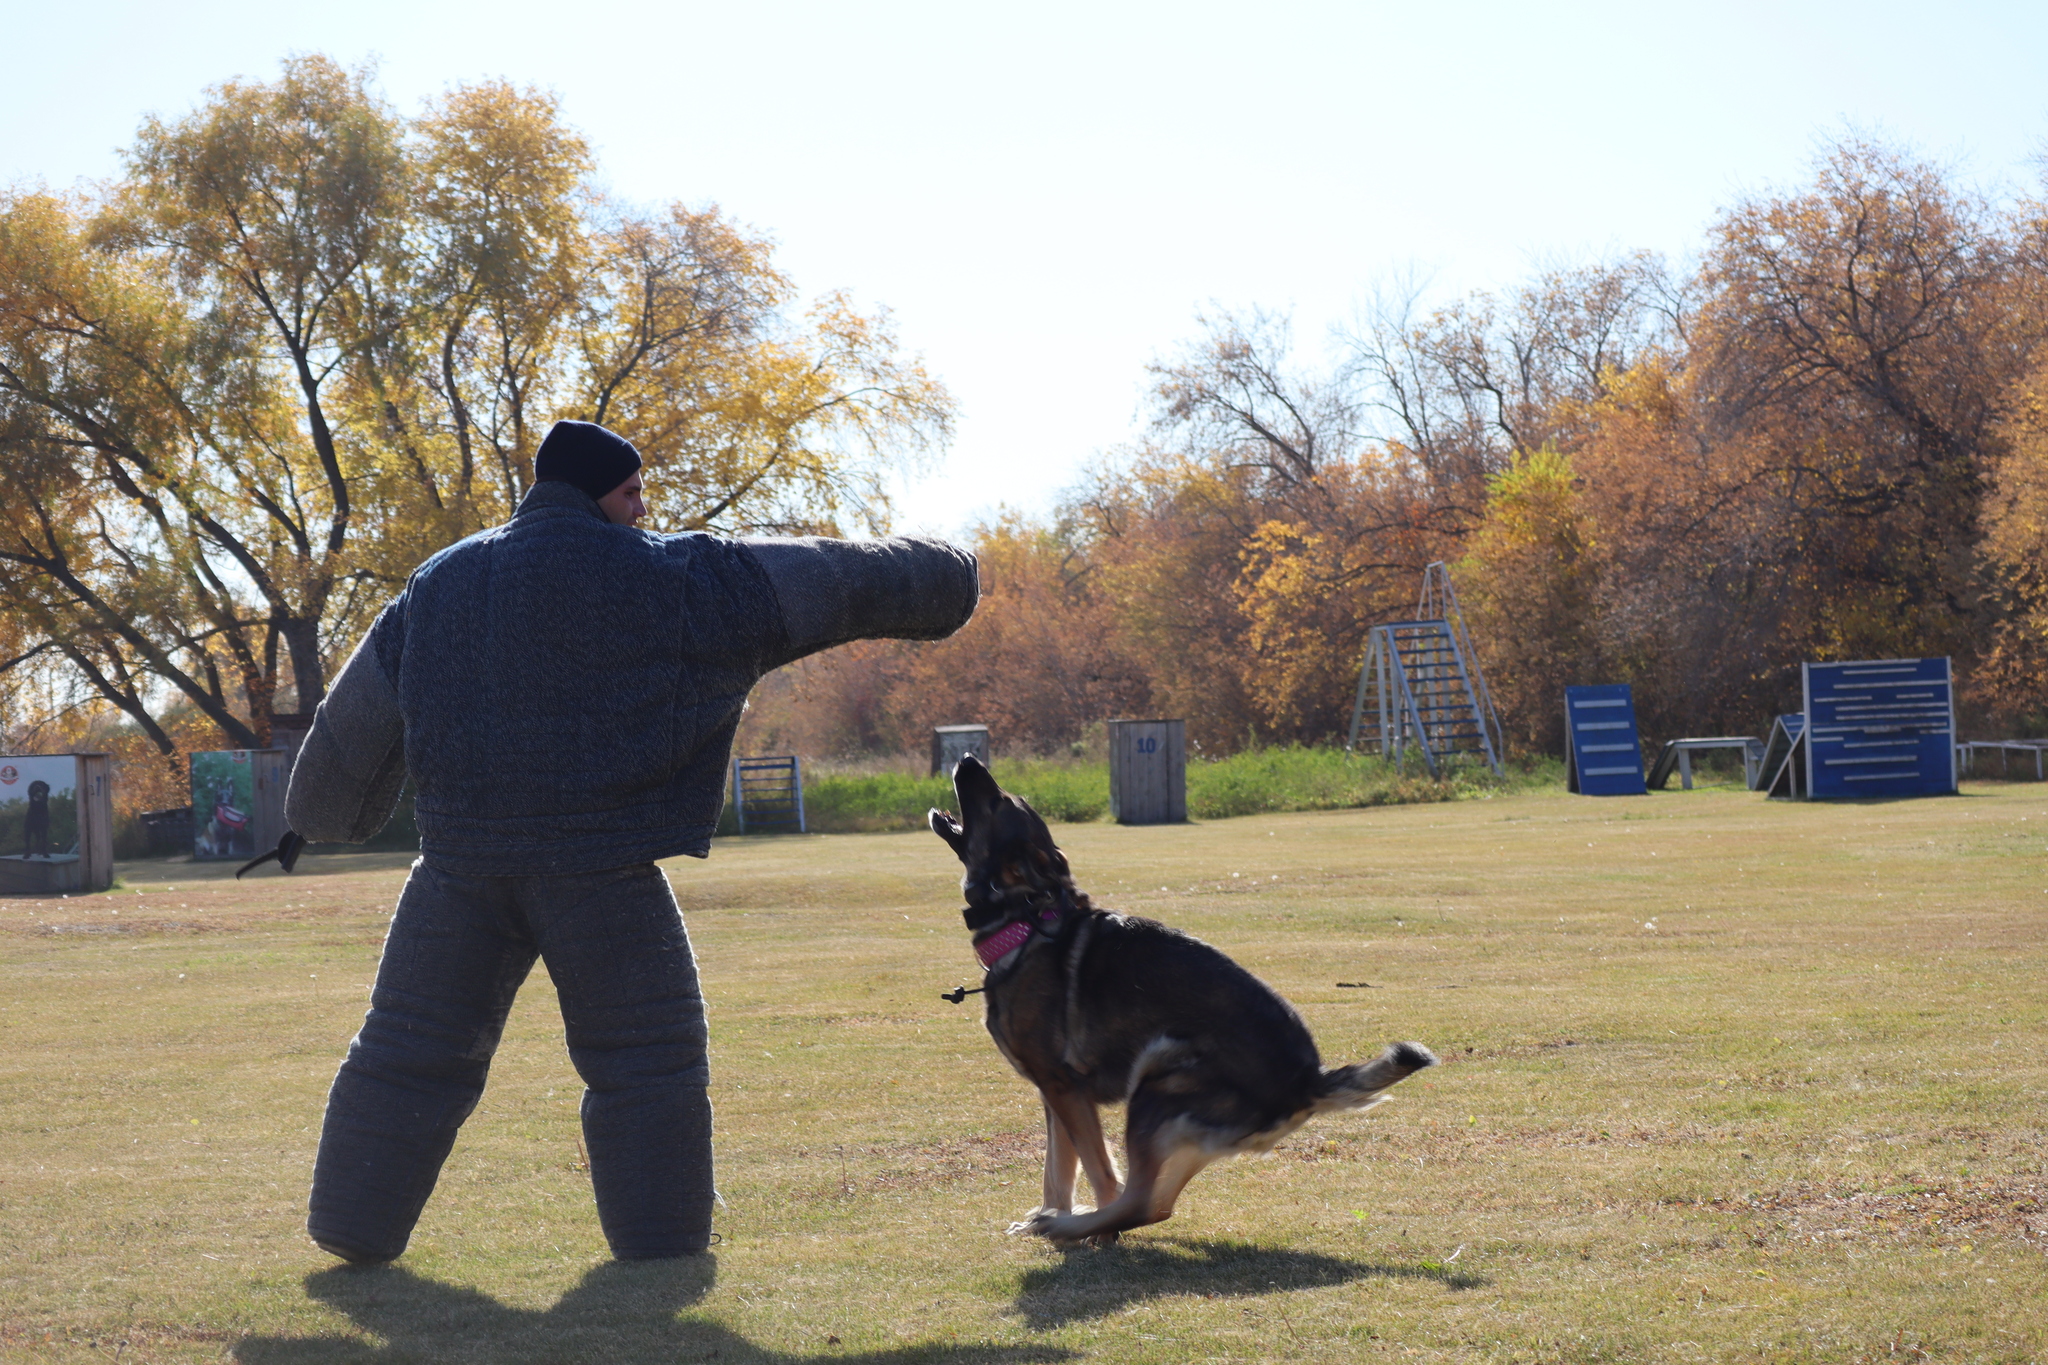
(951, 743)
(1148, 771)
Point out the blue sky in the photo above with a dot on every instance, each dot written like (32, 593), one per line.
(1048, 195)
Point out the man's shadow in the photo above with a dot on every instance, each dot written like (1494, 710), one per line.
(1096, 1283)
(623, 1313)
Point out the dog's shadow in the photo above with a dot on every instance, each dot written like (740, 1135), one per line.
(1087, 1283)
(622, 1313)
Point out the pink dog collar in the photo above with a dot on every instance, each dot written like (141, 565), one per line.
(1007, 940)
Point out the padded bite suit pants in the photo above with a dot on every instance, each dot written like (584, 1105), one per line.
(457, 951)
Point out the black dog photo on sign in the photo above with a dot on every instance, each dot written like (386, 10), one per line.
(35, 825)
(38, 807)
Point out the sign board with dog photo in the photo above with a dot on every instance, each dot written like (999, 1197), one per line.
(237, 802)
(56, 824)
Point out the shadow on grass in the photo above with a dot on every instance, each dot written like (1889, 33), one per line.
(1095, 1283)
(623, 1313)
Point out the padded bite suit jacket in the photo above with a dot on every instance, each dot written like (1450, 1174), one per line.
(564, 691)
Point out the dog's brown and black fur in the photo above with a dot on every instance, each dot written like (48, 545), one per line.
(1097, 1008)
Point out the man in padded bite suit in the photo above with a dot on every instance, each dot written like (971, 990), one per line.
(563, 690)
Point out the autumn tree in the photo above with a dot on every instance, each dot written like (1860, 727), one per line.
(1824, 440)
(1462, 391)
(2015, 674)
(1855, 340)
(1254, 537)
(305, 342)
(1531, 577)
(1042, 660)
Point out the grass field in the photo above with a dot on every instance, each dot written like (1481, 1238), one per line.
(1725, 1080)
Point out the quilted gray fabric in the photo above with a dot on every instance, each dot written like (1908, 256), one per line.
(568, 688)
(632, 1015)
(348, 774)
(833, 591)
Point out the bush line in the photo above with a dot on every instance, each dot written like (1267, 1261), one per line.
(1254, 782)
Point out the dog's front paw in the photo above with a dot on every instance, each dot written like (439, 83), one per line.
(1036, 1222)
(1063, 1227)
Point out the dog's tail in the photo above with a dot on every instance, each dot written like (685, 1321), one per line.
(1365, 1084)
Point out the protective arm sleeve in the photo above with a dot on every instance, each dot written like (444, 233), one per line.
(833, 591)
(351, 768)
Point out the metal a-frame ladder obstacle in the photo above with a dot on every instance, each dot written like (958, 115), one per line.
(1425, 685)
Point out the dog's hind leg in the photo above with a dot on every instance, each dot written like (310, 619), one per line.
(1166, 1151)
(1162, 1164)
(1177, 1167)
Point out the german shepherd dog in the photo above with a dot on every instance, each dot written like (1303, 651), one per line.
(1097, 1008)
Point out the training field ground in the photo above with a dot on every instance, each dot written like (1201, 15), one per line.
(1725, 1079)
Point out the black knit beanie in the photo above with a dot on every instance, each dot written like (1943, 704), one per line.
(586, 456)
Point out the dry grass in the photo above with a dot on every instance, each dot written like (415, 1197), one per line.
(1725, 1080)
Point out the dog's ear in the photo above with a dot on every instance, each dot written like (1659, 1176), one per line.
(947, 828)
(1038, 841)
(976, 789)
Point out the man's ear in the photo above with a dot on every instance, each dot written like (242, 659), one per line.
(947, 828)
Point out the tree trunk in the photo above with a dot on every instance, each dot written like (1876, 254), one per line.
(309, 675)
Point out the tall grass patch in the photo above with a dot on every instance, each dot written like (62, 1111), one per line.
(856, 802)
(1296, 777)
(1257, 781)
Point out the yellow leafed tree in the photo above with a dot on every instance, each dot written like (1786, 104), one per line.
(304, 342)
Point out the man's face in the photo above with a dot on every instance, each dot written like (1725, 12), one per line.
(623, 505)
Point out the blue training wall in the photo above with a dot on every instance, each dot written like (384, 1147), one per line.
(1600, 736)
(1883, 727)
